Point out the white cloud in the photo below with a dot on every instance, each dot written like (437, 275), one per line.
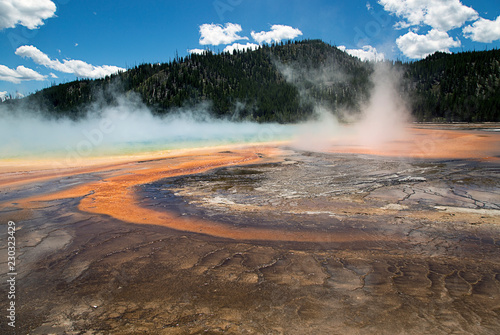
(76, 67)
(19, 74)
(3, 95)
(483, 30)
(52, 75)
(401, 25)
(278, 32)
(238, 46)
(28, 13)
(367, 53)
(419, 46)
(439, 14)
(216, 34)
(197, 51)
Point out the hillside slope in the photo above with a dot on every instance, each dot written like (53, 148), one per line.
(456, 87)
(283, 82)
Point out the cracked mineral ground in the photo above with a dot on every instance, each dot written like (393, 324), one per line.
(263, 239)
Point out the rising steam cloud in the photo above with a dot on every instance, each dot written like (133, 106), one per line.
(385, 117)
(382, 120)
(125, 128)
(129, 126)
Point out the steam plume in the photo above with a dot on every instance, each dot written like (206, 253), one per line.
(381, 120)
(127, 127)
(385, 117)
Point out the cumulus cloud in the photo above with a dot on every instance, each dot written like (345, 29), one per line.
(216, 34)
(197, 51)
(278, 32)
(19, 74)
(3, 95)
(367, 53)
(242, 47)
(483, 30)
(28, 13)
(419, 46)
(76, 67)
(443, 15)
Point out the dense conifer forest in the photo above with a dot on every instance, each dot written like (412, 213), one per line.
(282, 83)
(458, 87)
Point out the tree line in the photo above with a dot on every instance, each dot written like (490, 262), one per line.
(283, 82)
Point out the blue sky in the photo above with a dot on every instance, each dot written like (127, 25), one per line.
(54, 41)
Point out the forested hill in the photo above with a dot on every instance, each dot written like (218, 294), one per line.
(283, 82)
(246, 85)
(456, 87)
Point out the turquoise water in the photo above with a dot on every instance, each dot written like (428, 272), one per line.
(95, 139)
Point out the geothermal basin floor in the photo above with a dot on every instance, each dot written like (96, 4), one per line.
(261, 239)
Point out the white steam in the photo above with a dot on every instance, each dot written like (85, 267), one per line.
(385, 117)
(128, 127)
(382, 120)
(318, 134)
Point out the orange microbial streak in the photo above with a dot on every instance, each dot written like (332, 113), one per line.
(114, 195)
(433, 144)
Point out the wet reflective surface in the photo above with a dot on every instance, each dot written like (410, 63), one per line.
(326, 243)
